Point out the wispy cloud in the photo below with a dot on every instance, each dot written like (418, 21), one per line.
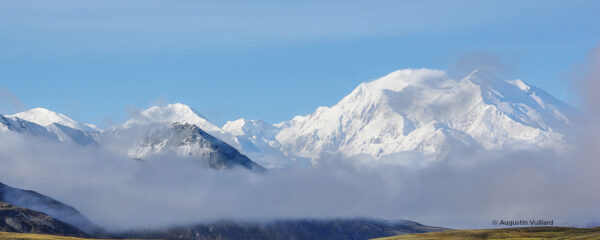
(110, 25)
(10, 101)
(487, 62)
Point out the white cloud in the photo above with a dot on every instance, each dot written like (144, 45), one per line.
(467, 192)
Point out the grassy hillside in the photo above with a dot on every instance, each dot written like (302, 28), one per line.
(32, 236)
(532, 233)
(28, 236)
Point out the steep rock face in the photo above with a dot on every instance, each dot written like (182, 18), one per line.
(40, 203)
(22, 220)
(190, 142)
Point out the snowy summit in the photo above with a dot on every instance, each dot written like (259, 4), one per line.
(410, 116)
(45, 117)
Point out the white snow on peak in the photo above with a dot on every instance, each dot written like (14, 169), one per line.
(178, 113)
(424, 111)
(406, 116)
(398, 80)
(243, 126)
(256, 139)
(484, 80)
(93, 126)
(45, 117)
(236, 127)
(172, 113)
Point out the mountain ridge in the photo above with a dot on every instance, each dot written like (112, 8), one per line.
(45, 117)
(409, 113)
(424, 111)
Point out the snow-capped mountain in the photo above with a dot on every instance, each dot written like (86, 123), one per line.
(256, 144)
(45, 117)
(173, 113)
(424, 114)
(14, 124)
(170, 129)
(45, 123)
(179, 129)
(190, 142)
(409, 115)
(256, 139)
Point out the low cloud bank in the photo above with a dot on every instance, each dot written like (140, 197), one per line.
(466, 192)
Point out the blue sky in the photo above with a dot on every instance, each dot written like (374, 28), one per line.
(271, 60)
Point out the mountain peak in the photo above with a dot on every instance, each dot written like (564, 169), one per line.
(45, 117)
(175, 110)
(426, 112)
(182, 108)
(400, 79)
(190, 141)
(484, 79)
(171, 113)
(475, 72)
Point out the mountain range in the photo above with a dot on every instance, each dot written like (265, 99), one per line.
(411, 116)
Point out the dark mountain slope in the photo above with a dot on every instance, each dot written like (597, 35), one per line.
(191, 142)
(22, 220)
(40, 203)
